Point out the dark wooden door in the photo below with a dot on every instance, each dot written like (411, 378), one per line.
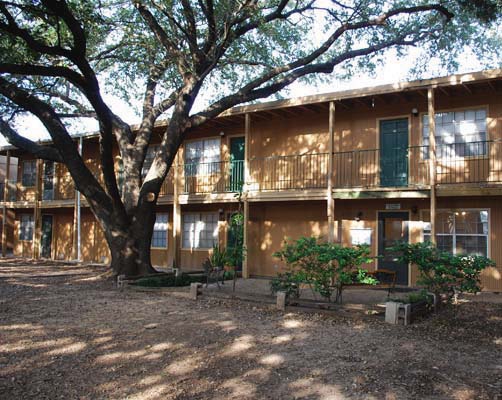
(394, 152)
(392, 228)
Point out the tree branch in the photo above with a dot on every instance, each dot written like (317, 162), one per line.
(15, 139)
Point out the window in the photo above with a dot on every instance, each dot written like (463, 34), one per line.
(150, 155)
(29, 173)
(458, 133)
(461, 231)
(26, 227)
(200, 231)
(159, 238)
(202, 157)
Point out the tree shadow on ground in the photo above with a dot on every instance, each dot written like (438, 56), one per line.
(74, 337)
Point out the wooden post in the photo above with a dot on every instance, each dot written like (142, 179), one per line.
(176, 215)
(432, 160)
(77, 220)
(75, 234)
(247, 133)
(5, 199)
(37, 215)
(245, 267)
(330, 200)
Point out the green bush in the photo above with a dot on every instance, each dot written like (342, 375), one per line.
(288, 282)
(325, 267)
(443, 273)
(169, 280)
(414, 297)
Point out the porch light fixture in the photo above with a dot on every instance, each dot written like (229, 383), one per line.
(414, 111)
(414, 209)
(359, 216)
(222, 133)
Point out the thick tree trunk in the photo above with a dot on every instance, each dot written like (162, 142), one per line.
(130, 244)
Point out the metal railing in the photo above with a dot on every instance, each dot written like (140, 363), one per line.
(457, 163)
(374, 168)
(296, 172)
(212, 177)
(468, 163)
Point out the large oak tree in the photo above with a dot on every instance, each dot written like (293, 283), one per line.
(59, 57)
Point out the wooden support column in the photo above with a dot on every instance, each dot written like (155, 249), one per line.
(247, 142)
(75, 228)
(432, 160)
(77, 216)
(330, 200)
(37, 213)
(5, 199)
(176, 214)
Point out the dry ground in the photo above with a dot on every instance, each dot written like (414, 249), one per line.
(66, 332)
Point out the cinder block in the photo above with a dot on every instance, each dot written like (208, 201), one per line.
(407, 313)
(281, 301)
(121, 281)
(195, 290)
(392, 312)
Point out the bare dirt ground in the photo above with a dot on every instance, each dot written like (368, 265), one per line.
(66, 332)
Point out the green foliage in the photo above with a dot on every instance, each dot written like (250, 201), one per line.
(414, 297)
(219, 257)
(288, 282)
(326, 267)
(443, 273)
(236, 250)
(169, 280)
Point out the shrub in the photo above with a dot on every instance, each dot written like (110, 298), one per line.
(414, 297)
(169, 280)
(443, 273)
(288, 282)
(326, 267)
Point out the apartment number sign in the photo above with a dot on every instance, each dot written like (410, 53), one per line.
(393, 206)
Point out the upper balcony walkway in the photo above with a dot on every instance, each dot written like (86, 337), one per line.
(474, 164)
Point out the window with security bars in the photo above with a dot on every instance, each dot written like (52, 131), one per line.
(461, 231)
(159, 237)
(26, 227)
(202, 157)
(200, 230)
(29, 177)
(458, 133)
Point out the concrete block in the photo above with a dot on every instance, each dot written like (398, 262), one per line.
(392, 312)
(407, 313)
(195, 290)
(281, 301)
(121, 281)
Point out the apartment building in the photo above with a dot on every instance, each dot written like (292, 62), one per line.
(356, 166)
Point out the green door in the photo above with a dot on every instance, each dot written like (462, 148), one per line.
(394, 152)
(46, 241)
(236, 181)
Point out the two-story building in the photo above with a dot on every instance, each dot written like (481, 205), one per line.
(357, 166)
